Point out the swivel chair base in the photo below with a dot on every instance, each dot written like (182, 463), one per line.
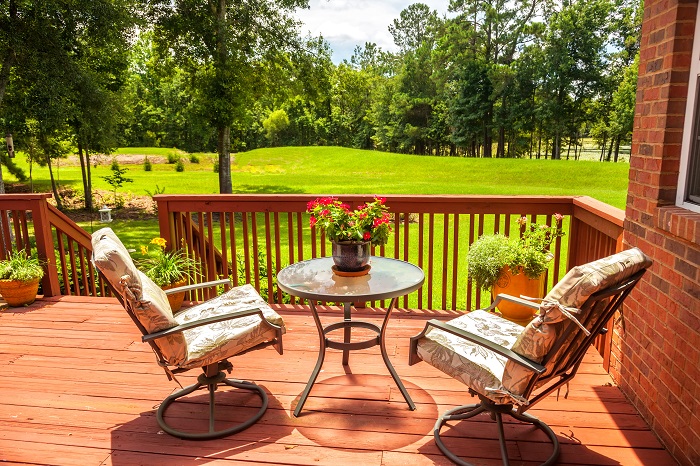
(495, 411)
(212, 383)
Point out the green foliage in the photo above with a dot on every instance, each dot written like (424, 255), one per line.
(369, 222)
(215, 166)
(274, 125)
(21, 267)
(262, 274)
(194, 158)
(167, 267)
(179, 166)
(173, 158)
(117, 179)
(158, 190)
(147, 164)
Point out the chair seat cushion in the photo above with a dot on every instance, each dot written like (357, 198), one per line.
(472, 364)
(211, 343)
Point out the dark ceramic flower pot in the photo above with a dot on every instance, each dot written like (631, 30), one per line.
(350, 256)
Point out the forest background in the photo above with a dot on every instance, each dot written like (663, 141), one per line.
(497, 79)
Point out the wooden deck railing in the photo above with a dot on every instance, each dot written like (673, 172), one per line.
(251, 237)
(64, 249)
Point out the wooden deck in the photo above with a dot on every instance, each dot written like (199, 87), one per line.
(78, 387)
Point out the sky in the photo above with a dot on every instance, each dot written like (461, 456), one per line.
(345, 24)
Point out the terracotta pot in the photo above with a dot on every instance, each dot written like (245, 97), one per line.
(176, 299)
(516, 285)
(19, 293)
(350, 256)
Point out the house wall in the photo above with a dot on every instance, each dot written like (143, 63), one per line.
(656, 345)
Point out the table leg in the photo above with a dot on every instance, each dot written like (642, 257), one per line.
(319, 361)
(387, 362)
(347, 331)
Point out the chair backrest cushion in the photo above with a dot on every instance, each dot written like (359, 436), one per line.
(572, 291)
(146, 300)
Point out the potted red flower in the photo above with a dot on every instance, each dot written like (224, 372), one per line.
(351, 232)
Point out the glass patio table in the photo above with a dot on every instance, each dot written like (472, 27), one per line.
(314, 281)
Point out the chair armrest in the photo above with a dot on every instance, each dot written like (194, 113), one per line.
(512, 299)
(196, 286)
(207, 321)
(503, 351)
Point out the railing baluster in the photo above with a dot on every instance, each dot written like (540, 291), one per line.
(470, 284)
(278, 253)
(431, 256)
(421, 226)
(445, 256)
(256, 259)
(268, 256)
(234, 248)
(455, 260)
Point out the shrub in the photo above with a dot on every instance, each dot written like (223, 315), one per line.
(19, 266)
(173, 158)
(194, 158)
(147, 164)
(216, 166)
(179, 166)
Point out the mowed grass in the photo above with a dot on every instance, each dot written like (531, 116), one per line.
(333, 170)
(337, 170)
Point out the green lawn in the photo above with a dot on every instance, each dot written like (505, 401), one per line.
(336, 170)
(333, 170)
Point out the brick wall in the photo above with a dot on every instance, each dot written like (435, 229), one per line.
(656, 346)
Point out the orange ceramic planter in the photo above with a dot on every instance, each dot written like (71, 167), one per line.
(19, 293)
(176, 299)
(516, 285)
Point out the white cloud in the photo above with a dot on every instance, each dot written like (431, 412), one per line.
(345, 24)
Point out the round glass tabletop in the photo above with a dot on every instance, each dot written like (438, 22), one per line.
(314, 279)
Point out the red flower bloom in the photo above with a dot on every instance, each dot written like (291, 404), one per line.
(367, 236)
(312, 221)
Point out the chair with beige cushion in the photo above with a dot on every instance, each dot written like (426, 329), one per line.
(510, 367)
(204, 335)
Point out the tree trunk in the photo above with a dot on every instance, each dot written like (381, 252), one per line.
(88, 205)
(501, 149)
(86, 188)
(224, 148)
(618, 139)
(59, 204)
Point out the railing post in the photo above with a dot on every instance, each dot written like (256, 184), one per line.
(166, 222)
(44, 246)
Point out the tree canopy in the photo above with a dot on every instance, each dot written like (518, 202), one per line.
(529, 78)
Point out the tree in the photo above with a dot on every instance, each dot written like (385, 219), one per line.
(117, 179)
(573, 68)
(60, 63)
(275, 124)
(218, 43)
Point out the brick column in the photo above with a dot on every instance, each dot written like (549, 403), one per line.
(656, 345)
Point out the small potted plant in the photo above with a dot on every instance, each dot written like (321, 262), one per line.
(351, 232)
(514, 266)
(168, 269)
(20, 274)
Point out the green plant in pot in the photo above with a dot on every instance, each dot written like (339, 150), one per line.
(514, 265)
(168, 269)
(20, 274)
(351, 232)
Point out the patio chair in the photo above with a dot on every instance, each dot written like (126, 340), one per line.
(202, 336)
(511, 367)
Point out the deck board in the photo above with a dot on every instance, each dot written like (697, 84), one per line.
(78, 387)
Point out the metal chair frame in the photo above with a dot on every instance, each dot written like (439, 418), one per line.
(213, 375)
(547, 379)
